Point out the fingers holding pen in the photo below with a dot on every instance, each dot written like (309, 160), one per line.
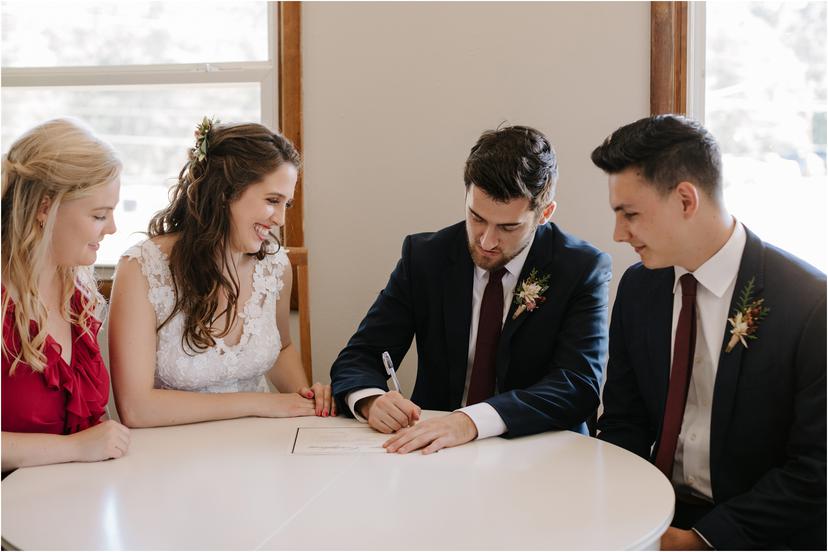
(392, 410)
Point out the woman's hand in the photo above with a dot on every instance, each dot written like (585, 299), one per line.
(106, 440)
(287, 405)
(324, 405)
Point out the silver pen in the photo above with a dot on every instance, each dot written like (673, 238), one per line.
(389, 368)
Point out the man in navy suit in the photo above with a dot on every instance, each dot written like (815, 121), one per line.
(509, 313)
(717, 349)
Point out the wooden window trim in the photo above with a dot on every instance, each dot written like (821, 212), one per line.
(290, 105)
(668, 57)
(290, 125)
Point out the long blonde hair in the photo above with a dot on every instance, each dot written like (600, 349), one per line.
(56, 161)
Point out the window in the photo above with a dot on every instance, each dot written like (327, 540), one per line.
(755, 73)
(142, 75)
(765, 101)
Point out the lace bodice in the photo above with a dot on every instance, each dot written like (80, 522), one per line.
(222, 368)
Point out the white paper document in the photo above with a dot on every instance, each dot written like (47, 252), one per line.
(338, 440)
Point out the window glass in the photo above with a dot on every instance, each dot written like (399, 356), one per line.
(43, 34)
(765, 101)
(151, 127)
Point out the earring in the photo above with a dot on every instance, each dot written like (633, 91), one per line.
(41, 224)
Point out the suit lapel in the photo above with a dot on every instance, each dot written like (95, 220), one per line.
(730, 364)
(540, 257)
(457, 301)
(659, 334)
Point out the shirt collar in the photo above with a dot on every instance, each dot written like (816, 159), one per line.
(513, 267)
(720, 270)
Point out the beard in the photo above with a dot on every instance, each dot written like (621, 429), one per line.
(493, 263)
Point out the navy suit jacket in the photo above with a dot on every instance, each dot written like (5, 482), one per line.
(767, 435)
(549, 361)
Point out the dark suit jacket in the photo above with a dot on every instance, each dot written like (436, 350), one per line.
(767, 438)
(549, 361)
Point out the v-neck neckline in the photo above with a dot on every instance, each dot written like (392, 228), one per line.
(54, 342)
(242, 314)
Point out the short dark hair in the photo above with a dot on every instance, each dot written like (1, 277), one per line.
(668, 149)
(513, 162)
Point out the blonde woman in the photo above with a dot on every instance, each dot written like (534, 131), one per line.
(200, 311)
(60, 185)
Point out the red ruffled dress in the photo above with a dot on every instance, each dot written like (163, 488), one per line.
(64, 398)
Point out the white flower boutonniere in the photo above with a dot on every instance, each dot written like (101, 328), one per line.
(530, 293)
(746, 318)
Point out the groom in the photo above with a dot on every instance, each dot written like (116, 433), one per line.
(717, 350)
(509, 313)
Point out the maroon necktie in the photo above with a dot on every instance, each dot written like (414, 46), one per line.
(482, 384)
(683, 350)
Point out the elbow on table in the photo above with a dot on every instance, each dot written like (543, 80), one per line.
(134, 413)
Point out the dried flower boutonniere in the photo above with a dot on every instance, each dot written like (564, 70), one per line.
(746, 318)
(201, 132)
(530, 293)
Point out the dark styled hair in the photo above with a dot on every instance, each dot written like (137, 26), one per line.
(513, 162)
(668, 149)
(238, 154)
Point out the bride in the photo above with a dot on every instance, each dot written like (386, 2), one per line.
(199, 314)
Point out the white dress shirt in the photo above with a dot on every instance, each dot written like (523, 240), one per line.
(717, 280)
(485, 418)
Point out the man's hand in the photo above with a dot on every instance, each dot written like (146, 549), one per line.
(682, 539)
(389, 412)
(434, 434)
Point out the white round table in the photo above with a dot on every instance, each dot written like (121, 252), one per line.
(236, 485)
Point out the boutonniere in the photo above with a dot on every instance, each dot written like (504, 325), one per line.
(530, 293)
(746, 317)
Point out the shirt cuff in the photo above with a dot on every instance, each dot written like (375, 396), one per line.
(486, 419)
(707, 542)
(356, 396)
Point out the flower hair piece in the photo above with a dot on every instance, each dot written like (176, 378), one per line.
(201, 132)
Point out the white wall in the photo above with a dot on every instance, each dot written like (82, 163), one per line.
(395, 94)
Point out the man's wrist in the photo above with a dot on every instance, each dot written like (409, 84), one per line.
(363, 406)
(469, 429)
(351, 399)
(702, 537)
(487, 422)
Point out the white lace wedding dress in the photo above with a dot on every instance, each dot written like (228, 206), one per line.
(222, 368)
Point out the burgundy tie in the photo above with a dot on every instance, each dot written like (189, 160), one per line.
(683, 350)
(482, 384)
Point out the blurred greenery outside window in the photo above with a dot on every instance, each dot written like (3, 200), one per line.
(141, 75)
(761, 90)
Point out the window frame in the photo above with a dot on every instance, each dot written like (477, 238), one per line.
(678, 47)
(279, 78)
(668, 57)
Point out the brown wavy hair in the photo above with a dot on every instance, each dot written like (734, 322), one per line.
(238, 155)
